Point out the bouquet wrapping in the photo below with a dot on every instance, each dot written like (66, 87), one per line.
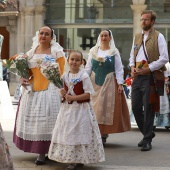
(50, 70)
(18, 65)
(141, 64)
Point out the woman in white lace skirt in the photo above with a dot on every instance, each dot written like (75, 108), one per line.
(38, 109)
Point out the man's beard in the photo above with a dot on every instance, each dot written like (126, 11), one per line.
(147, 28)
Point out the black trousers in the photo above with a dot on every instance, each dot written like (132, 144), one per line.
(141, 107)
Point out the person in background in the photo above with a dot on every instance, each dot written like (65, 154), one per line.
(162, 118)
(5, 73)
(76, 138)
(128, 85)
(84, 62)
(37, 110)
(105, 68)
(149, 44)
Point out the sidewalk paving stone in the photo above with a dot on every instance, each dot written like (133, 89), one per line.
(121, 151)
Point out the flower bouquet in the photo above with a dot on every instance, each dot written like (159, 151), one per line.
(128, 81)
(18, 65)
(50, 70)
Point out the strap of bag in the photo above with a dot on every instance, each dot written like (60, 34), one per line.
(144, 49)
(152, 73)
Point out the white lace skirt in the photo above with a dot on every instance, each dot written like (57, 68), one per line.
(37, 114)
(80, 153)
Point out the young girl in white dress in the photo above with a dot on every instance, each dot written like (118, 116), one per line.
(76, 138)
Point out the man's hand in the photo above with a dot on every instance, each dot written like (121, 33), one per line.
(133, 72)
(143, 71)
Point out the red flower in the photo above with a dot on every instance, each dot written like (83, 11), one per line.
(141, 64)
(128, 81)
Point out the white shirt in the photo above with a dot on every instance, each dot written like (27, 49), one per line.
(167, 72)
(163, 51)
(118, 65)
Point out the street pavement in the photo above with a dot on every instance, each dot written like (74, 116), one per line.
(121, 151)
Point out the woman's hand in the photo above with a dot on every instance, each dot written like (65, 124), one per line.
(120, 88)
(167, 89)
(62, 92)
(24, 82)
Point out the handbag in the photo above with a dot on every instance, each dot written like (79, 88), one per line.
(159, 80)
(158, 76)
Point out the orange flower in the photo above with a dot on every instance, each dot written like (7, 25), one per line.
(13, 57)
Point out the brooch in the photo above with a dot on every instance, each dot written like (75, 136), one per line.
(136, 47)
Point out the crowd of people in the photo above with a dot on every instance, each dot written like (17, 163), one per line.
(72, 124)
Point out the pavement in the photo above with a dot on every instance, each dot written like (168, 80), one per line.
(121, 149)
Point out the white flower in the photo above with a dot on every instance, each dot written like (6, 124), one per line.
(13, 65)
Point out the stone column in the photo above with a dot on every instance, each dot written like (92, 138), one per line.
(21, 33)
(13, 50)
(39, 17)
(13, 35)
(29, 26)
(137, 7)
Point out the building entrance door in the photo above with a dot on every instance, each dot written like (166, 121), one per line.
(5, 45)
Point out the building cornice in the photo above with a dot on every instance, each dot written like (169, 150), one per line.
(9, 13)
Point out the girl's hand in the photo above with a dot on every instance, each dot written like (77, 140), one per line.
(24, 82)
(120, 89)
(68, 97)
(62, 92)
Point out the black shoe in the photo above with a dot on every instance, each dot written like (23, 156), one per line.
(47, 158)
(140, 144)
(74, 166)
(146, 146)
(37, 162)
(79, 165)
(153, 135)
(103, 141)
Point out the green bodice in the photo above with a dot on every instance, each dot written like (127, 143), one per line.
(102, 68)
